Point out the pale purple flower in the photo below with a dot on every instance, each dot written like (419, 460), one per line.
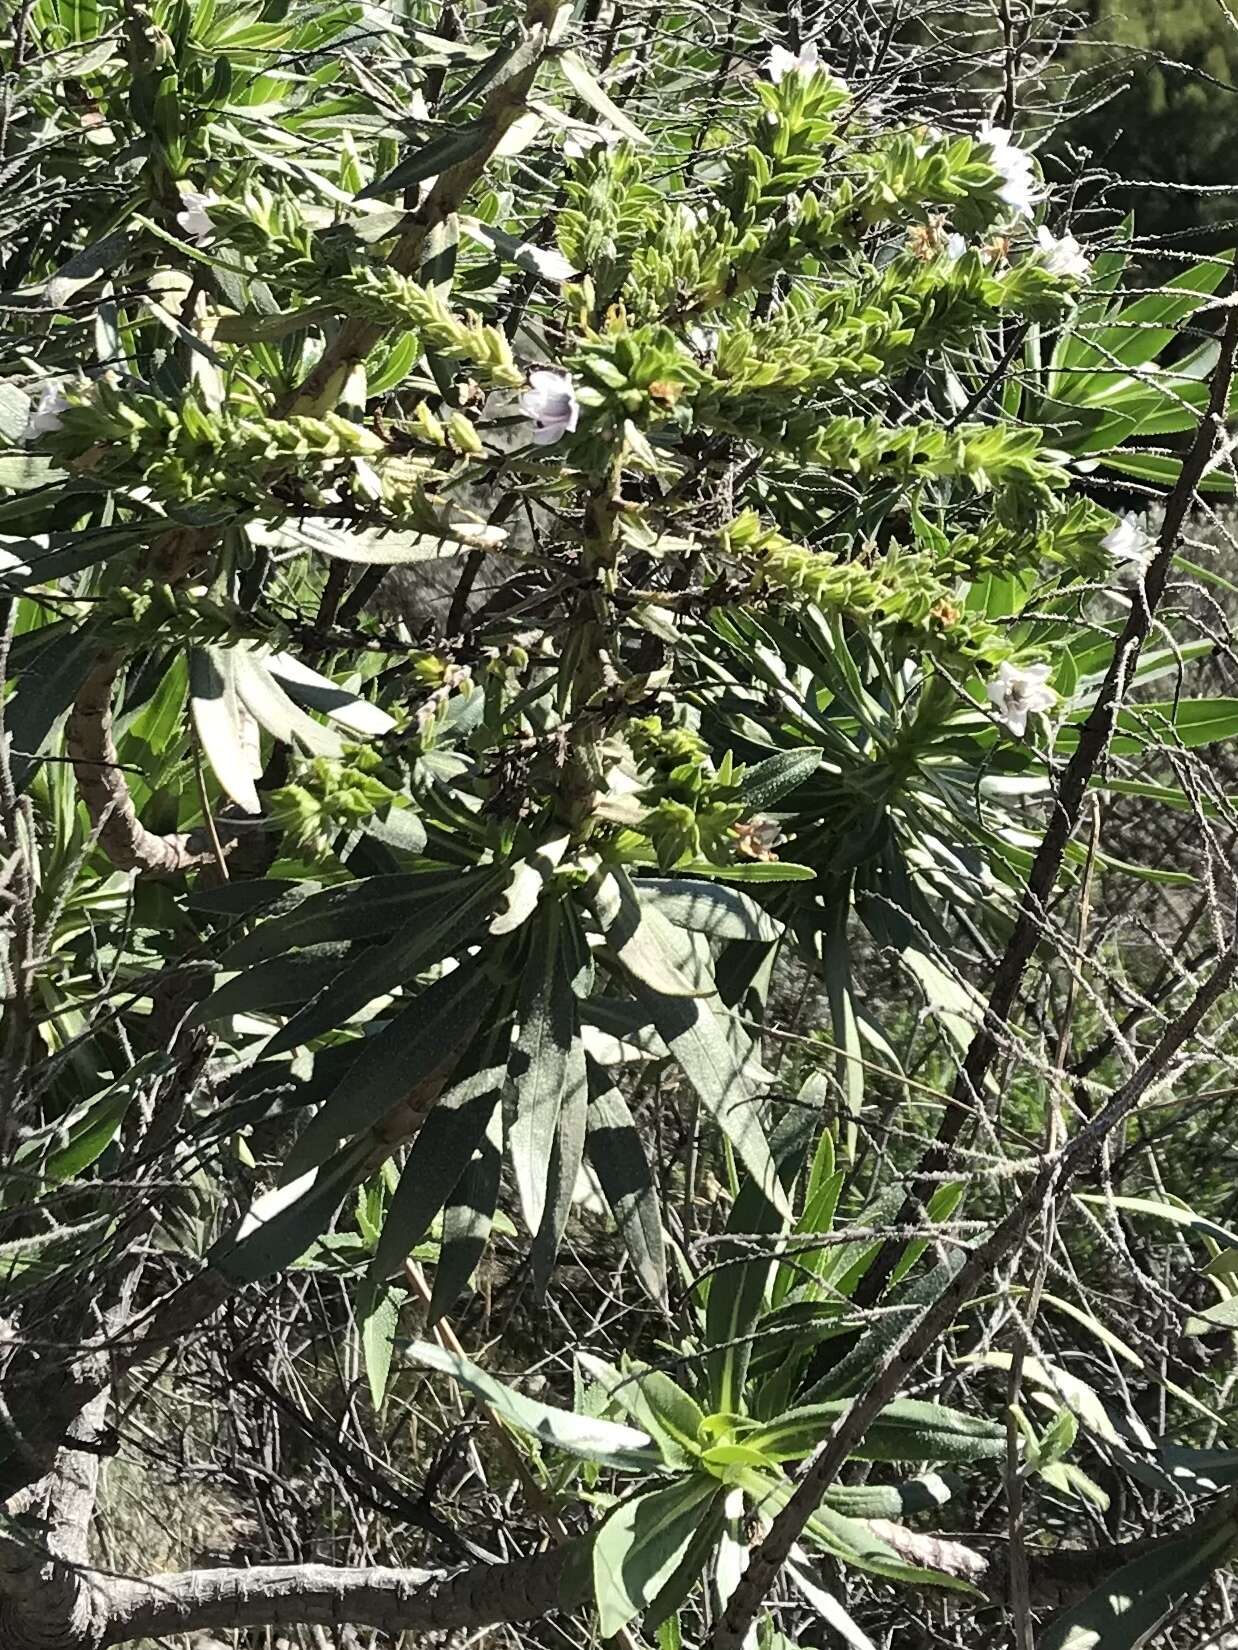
(1063, 255)
(954, 248)
(550, 401)
(1129, 544)
(781, 62)
(1020, 692)
(45, 414)
(1018, 190)
(195, 219)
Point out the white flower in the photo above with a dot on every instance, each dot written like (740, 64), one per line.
(550, 401)
(954, 248)
(195, 219)
(45, 414)
(1019, 693)
(1018, 176)
(781, 62)
(1064, 256)
(581, 139)
(1129, 544)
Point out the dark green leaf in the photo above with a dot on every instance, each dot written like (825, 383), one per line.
(618, 1157)
(423, 1041)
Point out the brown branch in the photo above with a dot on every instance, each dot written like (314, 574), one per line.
(391, 1600)
(100, 779)
(1054, 1178)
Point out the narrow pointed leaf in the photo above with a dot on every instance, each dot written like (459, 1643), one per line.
(618, 1157)
(586, 1436)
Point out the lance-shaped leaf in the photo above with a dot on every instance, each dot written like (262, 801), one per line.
(813, 1590)
(777, 777)
(909, 1429)
(617, 1154)
(217, 719)
(581, 79)
(361, 910)
(272, 709)
(640, 1546)
(1125, 1611)
(443, 928)
(708, 908)
(737, 1292)
(350, 710)
(422, 1042)
(537, 1073)
(566, 1158)
(51, 671)
(648, 948)
(279, 982)
(718, 1073)
(443, 1148)
(467, 1220)
(283, 1223)
(671, 1416)
(378, 1315)
(605, 1442)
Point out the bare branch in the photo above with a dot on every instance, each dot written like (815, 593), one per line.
(317, 1594)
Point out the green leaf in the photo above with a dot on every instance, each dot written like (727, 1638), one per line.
(443, 1150)
(216, 710)
(580, 78)
(737, 1290)
(640, 1546)
(279, 982)
(378, 1309)
(272, 709)
(617, 1154)
(808, 1584)
(361, 910)
(1124, 1612)
(442, 930)
(92, 1133)
(777, 777)
(433, 158)
(467, 1220)
(283, 1223)
(590, 1438)
(415, 1048)
(645, 943)
(717, 1071)
(909, 1429)
(537, 1070)
(671, 1416)
(47, 685)
(565, 1160)
(704, 908)
(1175, 1213)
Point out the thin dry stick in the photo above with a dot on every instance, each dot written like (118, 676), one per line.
(1054, 1178)
(1019, 1585)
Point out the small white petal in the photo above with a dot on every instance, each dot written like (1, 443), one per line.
(1018, 693)
(195, 219)
(781, 62)
(1129, 544)
(1063, 257)
(1018, 188)
(550, 401)
(45, 414)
